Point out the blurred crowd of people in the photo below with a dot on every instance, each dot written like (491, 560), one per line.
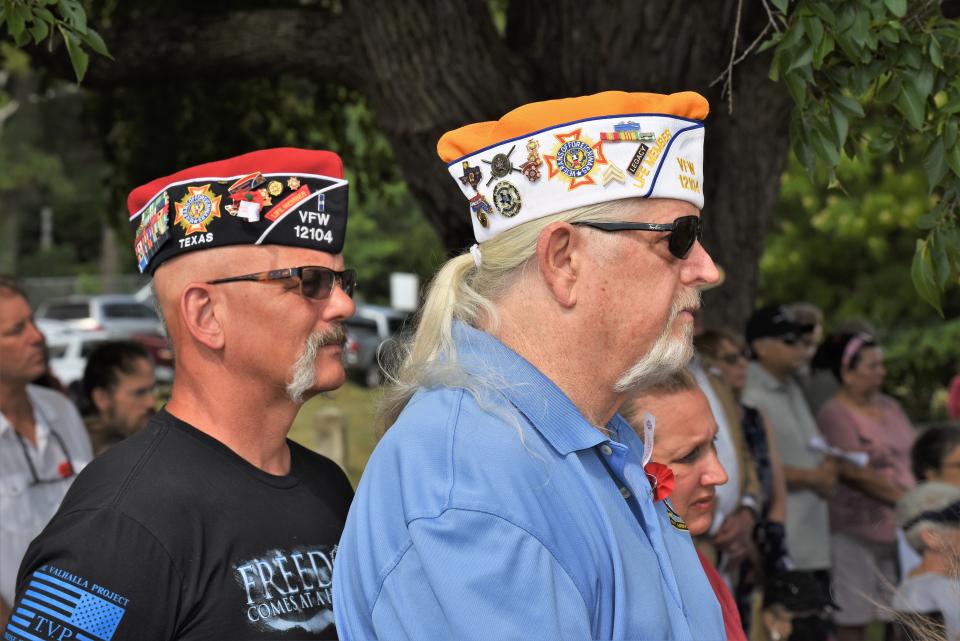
(45, 437)
(816, 505)
(809, 491)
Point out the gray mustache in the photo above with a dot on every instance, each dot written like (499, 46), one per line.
(335, 335)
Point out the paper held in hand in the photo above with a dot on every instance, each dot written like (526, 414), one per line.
(818, 444)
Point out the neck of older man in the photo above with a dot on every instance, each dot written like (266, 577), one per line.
(250, 418)
(17, 408)
(565, 349)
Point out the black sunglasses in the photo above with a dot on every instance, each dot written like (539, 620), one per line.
(684, 231)
(315, 282)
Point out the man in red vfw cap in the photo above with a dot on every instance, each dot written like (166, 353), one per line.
(209, 523)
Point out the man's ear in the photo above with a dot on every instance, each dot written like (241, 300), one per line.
(559, 249)
(199, 314)
(931, 540)
(100, 398)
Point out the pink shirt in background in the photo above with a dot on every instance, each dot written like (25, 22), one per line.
(887, 441)
(953, 399)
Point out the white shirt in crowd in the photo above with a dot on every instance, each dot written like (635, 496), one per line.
(31, 477)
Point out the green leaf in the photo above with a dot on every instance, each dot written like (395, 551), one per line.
(814, 29)
(911, 57)
(953, 104)
(781, 5)
(935, 56)
(921, 273)
(44, 14)
(950, 237)
(794, 34)
(96, 43)
(826, 150)
(826, 47)
(22, 38)
(847, 17)
(930, 219)
(923, 81)
(72, 11)
(772, 41)
(805, 58)
(39, 30)
(911, 104)
(860, 30)
(890, 35)
(897, 7)
(78, 57)
(797, 86)
(848, 104)
(941, 262)
(953, 158)
(935, 163)
(840, 125)
(950, 133)
(823, 11)
(15, 18)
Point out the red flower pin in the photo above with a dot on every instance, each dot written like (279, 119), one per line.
(65, 470)
(661, 479)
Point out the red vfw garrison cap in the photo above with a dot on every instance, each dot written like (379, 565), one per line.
(286, 196)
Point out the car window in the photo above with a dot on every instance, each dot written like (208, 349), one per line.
(56, 351)
(361, 324)
(68, 311)
(396, 324)
(128, 310)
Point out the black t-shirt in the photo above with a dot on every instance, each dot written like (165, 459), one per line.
(171, 535)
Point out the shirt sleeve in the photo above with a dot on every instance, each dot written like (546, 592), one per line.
(837, 427)
(474, 575)
(95, 575)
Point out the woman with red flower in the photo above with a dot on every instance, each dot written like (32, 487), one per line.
(684, 445)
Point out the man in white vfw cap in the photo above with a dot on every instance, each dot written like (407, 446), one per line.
(508, 499)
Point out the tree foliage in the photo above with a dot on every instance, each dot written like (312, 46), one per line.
(40, 21)
(882, 75)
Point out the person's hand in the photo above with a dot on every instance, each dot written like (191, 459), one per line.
(735, 536)
(824, 481)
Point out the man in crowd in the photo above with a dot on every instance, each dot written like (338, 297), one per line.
(508, 500)
(120, 388)
(209, 523)
(775, 340)
(43, 443)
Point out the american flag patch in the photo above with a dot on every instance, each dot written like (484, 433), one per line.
(55, 610)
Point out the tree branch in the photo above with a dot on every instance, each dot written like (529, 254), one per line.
(314, 44)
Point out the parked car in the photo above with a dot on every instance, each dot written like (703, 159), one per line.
(118, 313)
(367, 329)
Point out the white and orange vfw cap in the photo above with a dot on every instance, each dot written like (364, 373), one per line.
(548, 157)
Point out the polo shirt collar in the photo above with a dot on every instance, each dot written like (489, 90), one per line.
(41, 417)
(544, 404)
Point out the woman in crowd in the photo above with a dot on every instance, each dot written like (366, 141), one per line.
(930, 594)
(684, 443)
(936, 454)
(860, 418)
(724, 355)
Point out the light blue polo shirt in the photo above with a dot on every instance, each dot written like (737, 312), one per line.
(494, 517)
